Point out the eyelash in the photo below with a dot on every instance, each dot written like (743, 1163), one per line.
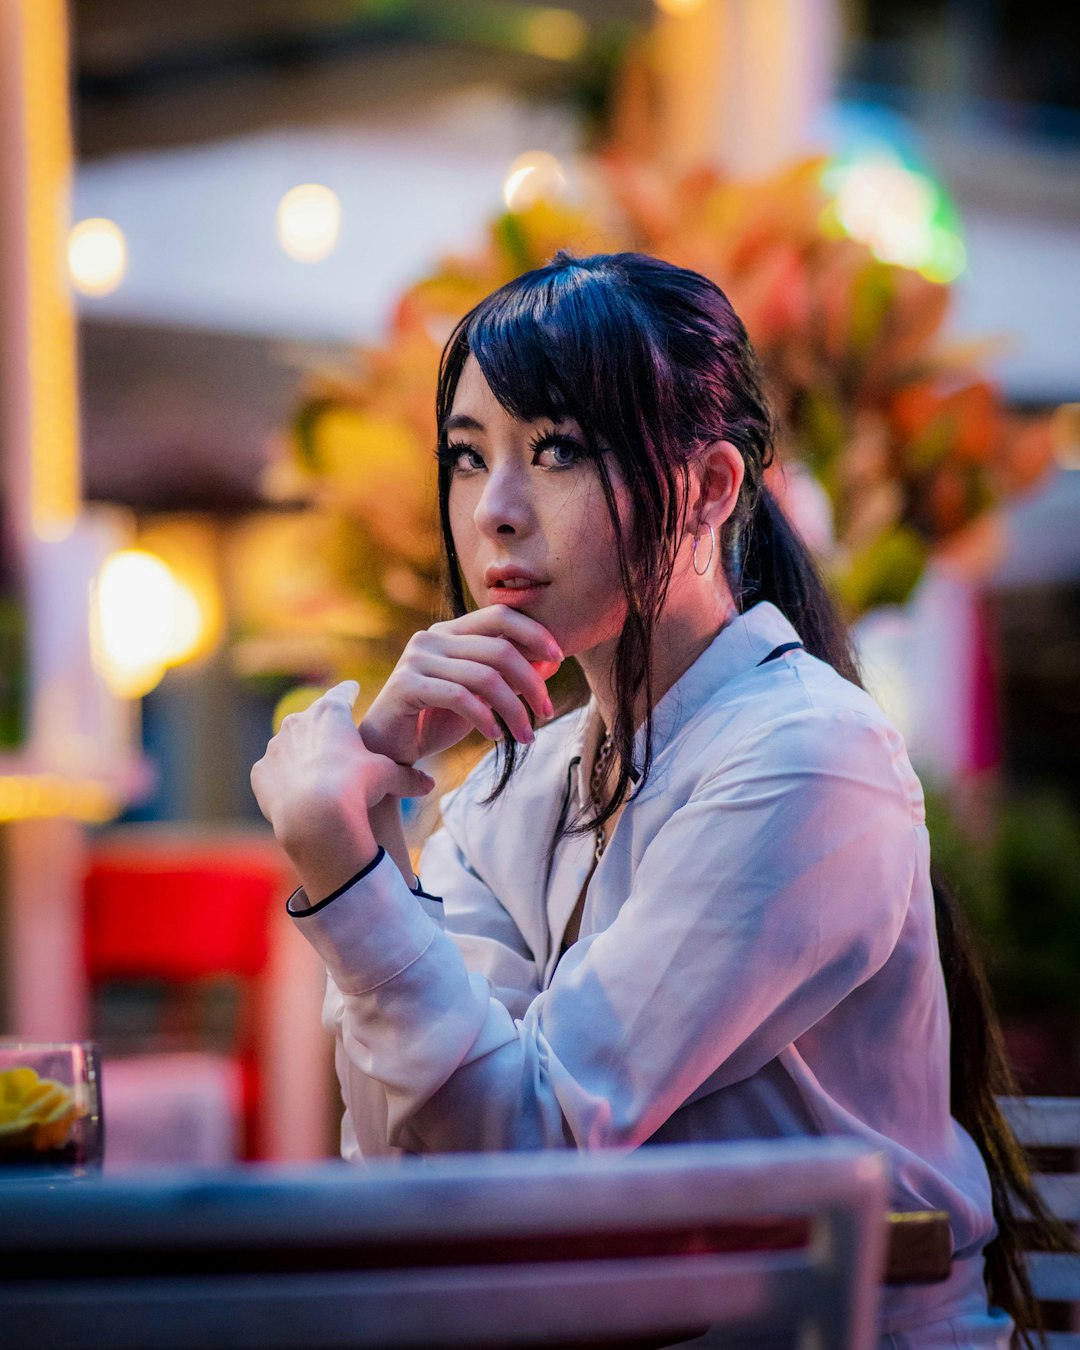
(449, 452)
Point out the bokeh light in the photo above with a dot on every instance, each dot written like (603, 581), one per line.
(679, 8)
(38, 796)
(97, 256)
(309, 222)
(559, 34)
(534, 176)
(143, 619)
(901, 213)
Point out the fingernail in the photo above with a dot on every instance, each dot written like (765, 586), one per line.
(549, 708)
(554, 654)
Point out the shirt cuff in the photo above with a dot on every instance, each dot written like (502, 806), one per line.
(373, 931)
(296, 908)
(420, 893)
(432, 905)
(298, 911)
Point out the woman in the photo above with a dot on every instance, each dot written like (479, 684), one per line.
(697, 908)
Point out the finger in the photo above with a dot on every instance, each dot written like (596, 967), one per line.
(347, 692)
(403, 781)
(545, 669)
(535, 641)
(501, 654)
(487, 684)
(426, 692)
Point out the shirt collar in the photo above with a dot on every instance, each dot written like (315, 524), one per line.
(739, 646)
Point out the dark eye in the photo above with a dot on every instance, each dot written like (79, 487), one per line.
(460, 456)
(562, 451)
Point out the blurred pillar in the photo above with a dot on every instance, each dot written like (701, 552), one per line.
(45, 861)
(741, 82)
(41, 487)
(39, 414)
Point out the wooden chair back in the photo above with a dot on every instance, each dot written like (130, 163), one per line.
(1053, 1123)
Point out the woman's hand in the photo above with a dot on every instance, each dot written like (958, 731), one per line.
(457, 675)
(316, 784)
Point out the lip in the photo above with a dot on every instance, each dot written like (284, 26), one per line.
(515, 596)
(511, 572)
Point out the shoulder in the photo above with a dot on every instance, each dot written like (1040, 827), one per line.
(804, 724)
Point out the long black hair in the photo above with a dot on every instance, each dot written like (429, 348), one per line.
(654, 365)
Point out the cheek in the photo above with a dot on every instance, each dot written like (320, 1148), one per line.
(581, 517)
(589, 551)
(463, 530)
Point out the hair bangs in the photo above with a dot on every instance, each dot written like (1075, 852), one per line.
(567, 343)
(517, 357)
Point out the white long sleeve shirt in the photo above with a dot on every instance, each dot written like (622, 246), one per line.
(757, 953)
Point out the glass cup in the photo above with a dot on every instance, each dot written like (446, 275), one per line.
(50, 1105)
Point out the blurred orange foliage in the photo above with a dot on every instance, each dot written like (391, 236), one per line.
(911, 442)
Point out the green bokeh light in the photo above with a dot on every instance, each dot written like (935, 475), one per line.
(903, 214)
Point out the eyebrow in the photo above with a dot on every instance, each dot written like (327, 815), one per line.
(462, 422)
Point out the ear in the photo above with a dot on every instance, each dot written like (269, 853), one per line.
(720, 475)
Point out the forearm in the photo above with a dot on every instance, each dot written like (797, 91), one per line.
(386, 826)
(328, 854)
(409, 1016)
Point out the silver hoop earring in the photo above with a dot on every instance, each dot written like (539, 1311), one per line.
(693, 553)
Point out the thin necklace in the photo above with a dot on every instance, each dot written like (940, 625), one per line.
(601, 764)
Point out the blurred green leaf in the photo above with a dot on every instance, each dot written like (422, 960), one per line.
(871, 301)
(1019, 883)
(932, 446)
(511, 239)
(884, 572)
(824, 432)
(305, 427)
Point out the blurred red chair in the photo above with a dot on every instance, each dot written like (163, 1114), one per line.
(189, 912)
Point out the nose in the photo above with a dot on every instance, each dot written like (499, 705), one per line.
(503, 507)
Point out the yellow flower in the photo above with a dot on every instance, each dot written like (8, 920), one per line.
(33, 1111)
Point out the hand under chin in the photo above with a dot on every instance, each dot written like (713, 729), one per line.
(545, 669)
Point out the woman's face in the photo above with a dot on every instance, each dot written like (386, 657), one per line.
(525, 500)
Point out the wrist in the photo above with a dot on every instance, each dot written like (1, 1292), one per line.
(326, 876)
(298, 906)
(326, 858)
(386, 822)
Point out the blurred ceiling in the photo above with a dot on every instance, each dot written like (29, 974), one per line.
(178, 418)
(158, 74)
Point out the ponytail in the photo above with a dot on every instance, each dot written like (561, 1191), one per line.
(776, 565)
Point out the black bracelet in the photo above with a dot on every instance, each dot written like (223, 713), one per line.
(302, 913)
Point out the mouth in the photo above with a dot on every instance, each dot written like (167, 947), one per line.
(516, 584)
(517, 591)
